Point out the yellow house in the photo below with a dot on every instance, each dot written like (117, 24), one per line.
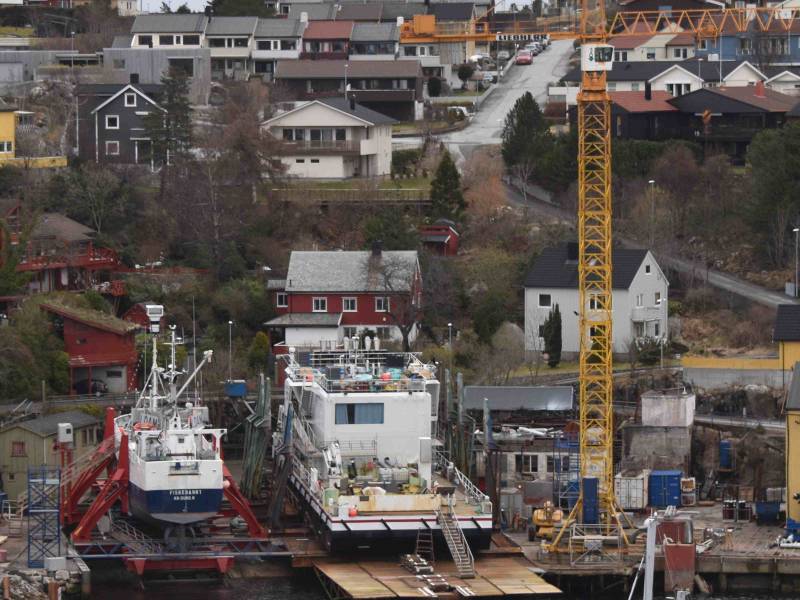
(8, 145)
(792, 410)
(787, 334)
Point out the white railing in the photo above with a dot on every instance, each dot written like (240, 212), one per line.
(473, 494)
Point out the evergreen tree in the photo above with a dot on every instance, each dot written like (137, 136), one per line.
(447, 200)
(525, 132)
(170, 130)
(258, 353)
(552, 337)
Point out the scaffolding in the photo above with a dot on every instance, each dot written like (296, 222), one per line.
(44, 519)
(566, 469)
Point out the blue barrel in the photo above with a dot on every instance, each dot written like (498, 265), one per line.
(725, 455)
(664, 489)
(591, 501)
(767, 513)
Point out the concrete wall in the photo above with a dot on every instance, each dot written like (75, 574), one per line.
(310, 336)
(667, 410)
(656, 447)
(721, 378)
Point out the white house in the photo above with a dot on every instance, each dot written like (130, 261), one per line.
(334, 138)
(639, 297)
(785, 82)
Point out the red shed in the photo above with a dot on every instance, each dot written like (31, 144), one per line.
(101, 348)
(441, 237)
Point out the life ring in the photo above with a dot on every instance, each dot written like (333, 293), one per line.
(143, 425)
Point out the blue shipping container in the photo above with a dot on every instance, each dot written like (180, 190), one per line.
(664, 488)
(725, 455)
(236, 388)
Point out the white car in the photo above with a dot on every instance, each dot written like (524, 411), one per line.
(503, 55)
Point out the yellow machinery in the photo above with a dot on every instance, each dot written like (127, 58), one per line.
(594, 201)
(544, 521)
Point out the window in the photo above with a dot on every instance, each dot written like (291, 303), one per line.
(647, 269)
(118, 63)
(130, 99)
(349, 332)
(650, 53)
(635, 86)
(183, 64)
(638, 329)
(320, 305)
(341, 135)
(410, 51)
(545, 300)
(146, 40)
(314, 161)
(191, 40)
(678, 89)
(381, 304)
(264, 44)
(300, 161)
(621, 56)
(657, 329)
(166, 40)
(611, 85)
(658, 298)
(18, 449)
(369, 413)
(216, 42)
(112, 122)
(349, 304)
(281, 299)
(527, 463)
(240, 43)
(294, 135)
(639, 300)
(384, 333)
(703, 45)
(288, 45)
(114, 374)
(6, 147)
(112, 148)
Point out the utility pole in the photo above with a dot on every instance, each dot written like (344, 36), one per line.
(796, 231)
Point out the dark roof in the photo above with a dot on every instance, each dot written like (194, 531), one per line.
(709, 69)
(334, 69)
(315, 10)
(627, 71)
(353, 271)
(635, 102)
(407, 10)
(732, 100)
(279, 28)
(360, 112)
(174, 23)
(510, 398)
(122, 41)
(434, 238)
(555, 267)
(360, 12)
(231, 26)
(375, 32)
(59, 227)
(787, 323)
(92, 318)
(109, 89)
(328, 30)
(48, 424)
(306, 320)
(455, 11)
(793, 399)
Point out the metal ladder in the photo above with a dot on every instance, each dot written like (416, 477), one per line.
(133, 538)
(424, 548)
(456, 542)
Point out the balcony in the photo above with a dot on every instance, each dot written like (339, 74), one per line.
(275, 54)
(334, 55)
(647, 313)
(86, 257)
(323, 147)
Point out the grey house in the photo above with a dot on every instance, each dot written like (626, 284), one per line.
(639, 297)
(111, 124)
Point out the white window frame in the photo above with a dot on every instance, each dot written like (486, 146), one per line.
(112, 117)
(639, 300)
(108, 153)
(345, 301)
(657, 298)
(647, 269)
(130, 95)
(6, 147)
(384, 300)
(285, 300)
(539, 301)
(323, 302)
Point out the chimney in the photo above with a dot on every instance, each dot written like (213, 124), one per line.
(304, 17)
(134, 79)
(648, 91)
(352, 102)
(377, 248)
(760, 89)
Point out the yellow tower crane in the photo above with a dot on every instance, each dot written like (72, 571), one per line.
(597, 502)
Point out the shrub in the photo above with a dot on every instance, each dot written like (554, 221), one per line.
(434, 87)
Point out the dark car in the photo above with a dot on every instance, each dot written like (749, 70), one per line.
(95, 386)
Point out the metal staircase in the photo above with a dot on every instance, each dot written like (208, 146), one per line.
(136, 541)
(456, 542)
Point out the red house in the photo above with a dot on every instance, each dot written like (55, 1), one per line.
(101, 348)
(61, 254)
(440, 238)
(327, 296)
(138, 314)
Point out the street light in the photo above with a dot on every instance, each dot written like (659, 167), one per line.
(652, 183)
(450, 344)
(230, 350)
(796, 232)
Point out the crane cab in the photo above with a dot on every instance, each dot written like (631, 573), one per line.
(596, 57)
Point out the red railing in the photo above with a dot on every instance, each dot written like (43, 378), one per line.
(87, 257)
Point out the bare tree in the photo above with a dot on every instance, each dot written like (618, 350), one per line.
(398, 277)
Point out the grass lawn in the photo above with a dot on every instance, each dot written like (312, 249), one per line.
(411, 127)
(465, 93)
(414, 183)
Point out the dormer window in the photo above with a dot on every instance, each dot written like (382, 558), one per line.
(130, 99)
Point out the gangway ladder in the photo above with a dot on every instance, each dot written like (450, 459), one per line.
(135, 540)
(424, 548)
(456, 541)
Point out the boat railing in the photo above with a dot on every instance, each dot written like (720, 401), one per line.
(473, 494)
(360, 447)
(367, 384)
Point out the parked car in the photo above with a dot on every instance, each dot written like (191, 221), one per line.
(489, 77)
(94, 386)
(503, 55)
(524, 57)
(534, 48)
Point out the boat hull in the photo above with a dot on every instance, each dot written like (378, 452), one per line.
(176, 506)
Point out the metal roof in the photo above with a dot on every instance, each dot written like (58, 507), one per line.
(306, 320)
(354, 271)
(375, 32)
(315, 11)
(455, 11)
(358, 111)
(48, 424)
(557, 267)
(279, 28)
(231, 26)
(356, 11)
(511, 398)
(787, 323)
(192, 23)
